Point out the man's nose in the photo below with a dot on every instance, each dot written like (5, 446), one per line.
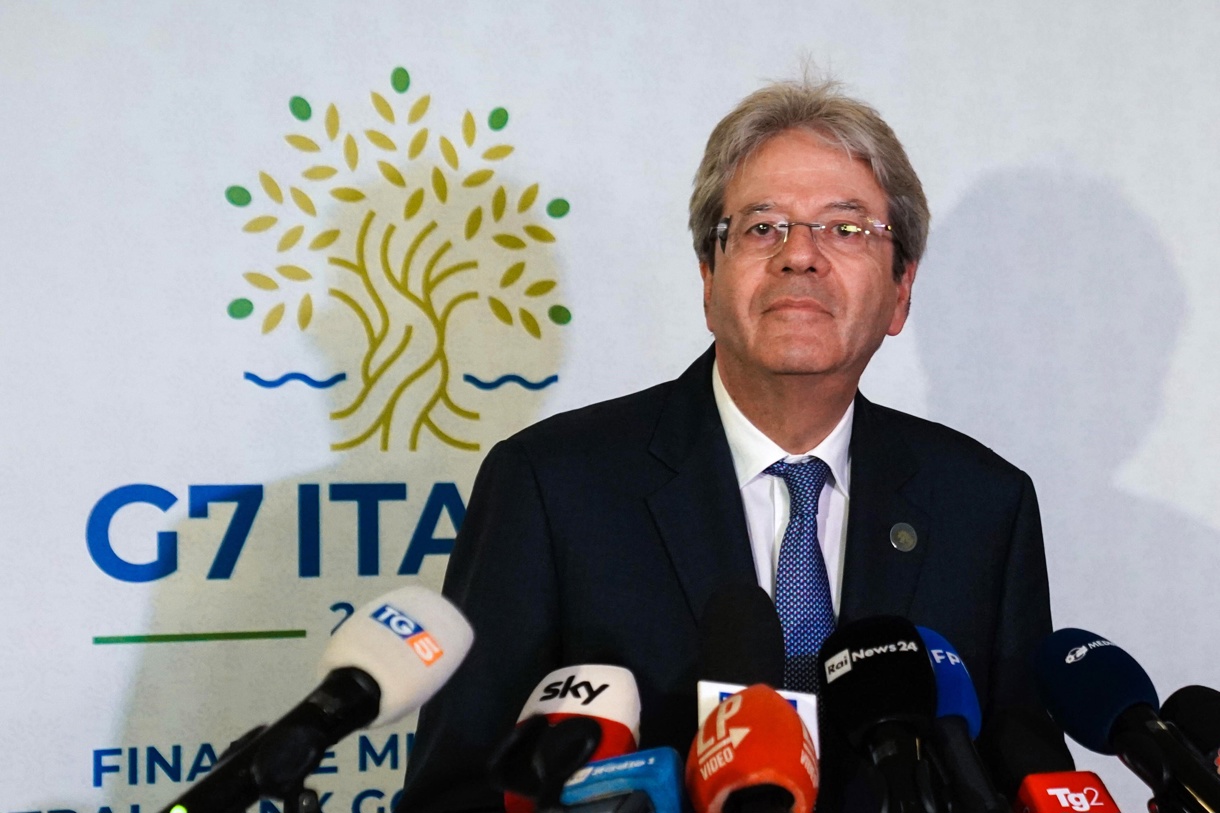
(801, 251)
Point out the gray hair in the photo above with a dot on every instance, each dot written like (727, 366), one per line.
(822, 108)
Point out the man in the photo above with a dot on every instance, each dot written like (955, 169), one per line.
(597, 536)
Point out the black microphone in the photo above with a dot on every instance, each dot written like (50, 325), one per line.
(740, 638)
(1195, 710)
(1105, 701)
(880, 692)
(389, 657)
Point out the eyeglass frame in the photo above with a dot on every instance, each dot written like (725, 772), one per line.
(720, 232)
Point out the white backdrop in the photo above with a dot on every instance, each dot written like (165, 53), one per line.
(1063, 315)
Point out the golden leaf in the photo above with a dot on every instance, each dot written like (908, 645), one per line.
(347, 194)
(468, 129)
(500, 310)
(439, 185)
(449, 153)
(529, 323)
(332, 122)
(540, 234)
(324, 239)
(290, 238)
(261, 281)
(509, 241)
(527, 198)
(298, 274)
(350, 153)
(303, 202)
(478, 178)
(271, 187)
(513, 273)
(473, 221)
(261, 223)
(391, 174)
(498, 201)
(498, 152)
(305, 311)
(320, 172)
(273, 318)
(418, 142)
(419, 109)
(540, 287)
(302, 143)
(381, 140)
(383, 107)
(413, 203)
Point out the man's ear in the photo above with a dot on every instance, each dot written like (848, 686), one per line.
(902, 304)
(705, 271)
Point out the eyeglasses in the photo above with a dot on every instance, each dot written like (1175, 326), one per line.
(762, 235)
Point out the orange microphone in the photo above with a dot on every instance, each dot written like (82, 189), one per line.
(753, 755)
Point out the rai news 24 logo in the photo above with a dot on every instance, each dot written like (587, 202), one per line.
(404, 245)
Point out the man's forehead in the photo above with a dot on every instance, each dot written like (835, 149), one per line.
(797, 168)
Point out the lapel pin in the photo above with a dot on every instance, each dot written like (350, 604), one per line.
(903, 537)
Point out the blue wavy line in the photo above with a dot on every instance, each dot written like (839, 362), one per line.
(514, 378)
(286, 377)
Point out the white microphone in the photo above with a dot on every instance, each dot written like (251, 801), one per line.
(385, 661)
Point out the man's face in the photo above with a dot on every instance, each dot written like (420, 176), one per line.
(804, 311)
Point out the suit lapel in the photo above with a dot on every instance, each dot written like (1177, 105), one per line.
(698, 513)
(879, 579)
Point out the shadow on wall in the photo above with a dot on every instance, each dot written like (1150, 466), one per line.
(1055, 310)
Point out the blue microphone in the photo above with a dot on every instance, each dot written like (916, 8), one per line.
(1105, 701)
(614, 784)
(957, 723)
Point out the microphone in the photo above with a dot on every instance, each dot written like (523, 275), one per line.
(880, 692)
(1105, 701)
(741, 642)
(606, 697)
(1033, 766)
(752, 755)
(956, 725)
(1195, 710)
(386, 660)
(644, 782)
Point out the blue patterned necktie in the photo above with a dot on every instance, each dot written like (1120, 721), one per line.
(802, 588)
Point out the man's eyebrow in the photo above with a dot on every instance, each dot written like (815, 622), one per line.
(754, 208)
(850, 205)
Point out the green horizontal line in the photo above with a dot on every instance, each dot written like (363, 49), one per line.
(189, 637)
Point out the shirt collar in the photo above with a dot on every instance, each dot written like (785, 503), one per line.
(753, 452)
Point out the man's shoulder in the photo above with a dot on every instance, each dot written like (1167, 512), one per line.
(941, 447)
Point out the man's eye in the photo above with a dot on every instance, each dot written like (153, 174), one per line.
(845, 230)
(763, 230)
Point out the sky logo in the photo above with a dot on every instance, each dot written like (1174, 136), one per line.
(410, 631)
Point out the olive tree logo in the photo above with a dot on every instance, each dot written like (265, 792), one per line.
(401, 224)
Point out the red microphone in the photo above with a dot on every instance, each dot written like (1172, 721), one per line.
(606, 694)
(1064, 792)
(754, 752)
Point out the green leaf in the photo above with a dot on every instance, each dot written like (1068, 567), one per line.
(529, 323)
(498, 202)
(414, 202)
(539, 288)
(509, 241)
(500, 310)
(473, 221)
(513, 274)
(439, 185)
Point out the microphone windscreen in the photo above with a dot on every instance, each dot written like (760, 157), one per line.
(876, 670)
(955, 694)
(410, 641)
(754, 742)
(1020, 741)
(607, 694)
(740, 637)
(1195, 710)
(1086, 682)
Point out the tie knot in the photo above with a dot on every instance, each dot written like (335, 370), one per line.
(804, 481)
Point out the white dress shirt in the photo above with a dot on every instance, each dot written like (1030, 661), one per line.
(765, 498)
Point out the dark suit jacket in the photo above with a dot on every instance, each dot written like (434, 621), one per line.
(597, 536)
